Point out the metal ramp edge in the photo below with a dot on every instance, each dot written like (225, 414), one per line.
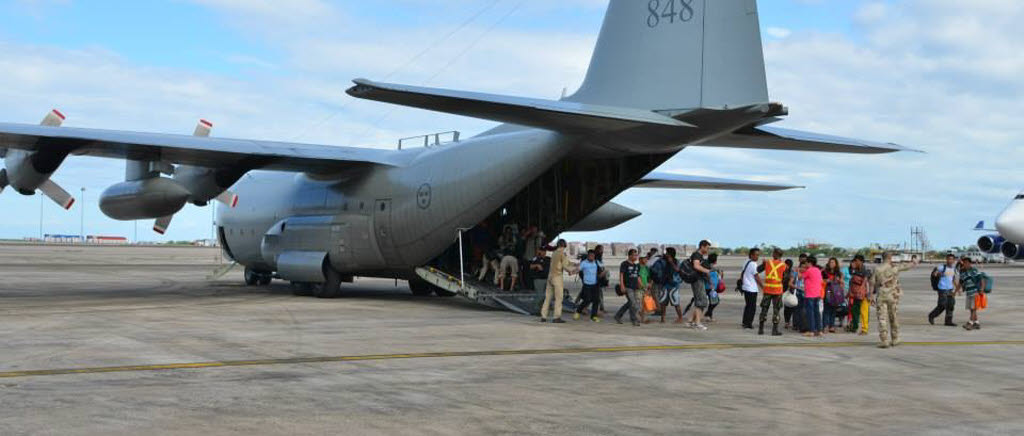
(523, 303)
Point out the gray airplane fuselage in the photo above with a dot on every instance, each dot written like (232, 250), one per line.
(385, 221)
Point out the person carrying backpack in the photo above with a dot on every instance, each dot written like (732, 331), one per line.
(860, 277)
(667, 269)
(945, 282)
(750, 285)
(972, 282)
(695, 272)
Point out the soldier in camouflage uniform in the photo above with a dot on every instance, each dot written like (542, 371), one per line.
(887, 298)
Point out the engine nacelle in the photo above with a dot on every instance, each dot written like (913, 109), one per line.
(1012, 251)
(991, 243)
(205, 184)
(155, 197)
(28, 170)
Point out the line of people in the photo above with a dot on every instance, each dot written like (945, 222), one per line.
(810, 299)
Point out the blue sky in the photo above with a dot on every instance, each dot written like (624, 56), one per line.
(931, 74)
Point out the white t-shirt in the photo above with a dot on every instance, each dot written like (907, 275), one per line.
(749, 274)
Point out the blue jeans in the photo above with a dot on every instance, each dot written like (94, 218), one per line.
(829, 317)
(813, 315)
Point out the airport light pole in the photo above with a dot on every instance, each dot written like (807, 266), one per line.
(82, 223)
(40, 218)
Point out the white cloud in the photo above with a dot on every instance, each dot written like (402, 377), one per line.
(778, 32)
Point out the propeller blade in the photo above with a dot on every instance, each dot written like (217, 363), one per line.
(229, 199)
(3, 180)
(203, 129)
(161, 224)
(57, 194)
(53, 119)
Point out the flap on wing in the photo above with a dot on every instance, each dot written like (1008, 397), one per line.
(545, 114)
(776, 138)
(191, 150)
(682, 181)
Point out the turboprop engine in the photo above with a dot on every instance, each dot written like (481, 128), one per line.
(27, 171)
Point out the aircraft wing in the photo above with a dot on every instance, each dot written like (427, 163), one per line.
(682, 181)
(545, 114)
(192, 150)
(777, 138)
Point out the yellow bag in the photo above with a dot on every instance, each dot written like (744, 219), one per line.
(980, 301)
(649, 304)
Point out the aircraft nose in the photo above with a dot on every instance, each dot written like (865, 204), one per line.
(1011, 222)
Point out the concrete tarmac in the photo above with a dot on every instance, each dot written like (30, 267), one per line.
(128, 340)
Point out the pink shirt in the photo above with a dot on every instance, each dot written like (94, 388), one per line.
(812, 282)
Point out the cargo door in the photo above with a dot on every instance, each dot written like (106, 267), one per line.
(383, 232)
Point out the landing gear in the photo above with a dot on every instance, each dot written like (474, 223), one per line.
(420, 288)
(331, 287)
(300, 289)
(256, 278)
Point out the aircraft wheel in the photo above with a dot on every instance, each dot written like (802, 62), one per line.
(420, 288)
(443, 293)
(302, 289)
(252, 278)
(331, 288)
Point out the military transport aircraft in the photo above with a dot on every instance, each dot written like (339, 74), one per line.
(1009, 239)
(665, 75)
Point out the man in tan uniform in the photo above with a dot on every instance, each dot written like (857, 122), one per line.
(887, 298)
(554, 291)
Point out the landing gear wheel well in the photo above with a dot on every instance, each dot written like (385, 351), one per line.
(331, 287)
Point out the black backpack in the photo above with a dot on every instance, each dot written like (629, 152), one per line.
(687, 273)
(658, 271)
(937, 277)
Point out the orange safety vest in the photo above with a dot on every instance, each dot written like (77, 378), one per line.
(773, 272)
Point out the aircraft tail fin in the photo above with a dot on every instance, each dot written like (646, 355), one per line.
(980, 225)
(677, 54)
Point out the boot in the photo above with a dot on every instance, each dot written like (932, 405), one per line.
(760, 328)
(775, 330)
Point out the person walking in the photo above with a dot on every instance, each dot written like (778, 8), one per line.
(629, 285)
(699, 263)
(886, 282)
(947, 282)
(860, 295)
(774, 274)
(555, 290)
(590, 271)
(834, 295)
(972, 282)
(713, 288)
(813, 289)
(795, 315)
(667, 268)
(750, 285)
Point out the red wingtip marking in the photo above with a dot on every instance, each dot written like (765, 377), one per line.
(57, 112)
(206, 123)
(70, 203)
(234, 202)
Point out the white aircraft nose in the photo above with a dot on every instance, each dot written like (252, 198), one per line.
(1011, 222)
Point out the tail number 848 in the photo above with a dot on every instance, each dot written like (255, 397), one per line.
(669, 11)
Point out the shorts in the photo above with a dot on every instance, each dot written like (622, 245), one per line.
(700, 295)
(970, 302)
(669, 296)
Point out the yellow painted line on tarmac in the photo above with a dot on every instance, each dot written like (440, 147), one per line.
(378, 357)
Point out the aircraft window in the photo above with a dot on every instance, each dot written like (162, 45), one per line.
(1020, 197)
(383, 206)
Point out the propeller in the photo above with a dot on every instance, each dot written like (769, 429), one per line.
(228, 198)
(52, 119)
